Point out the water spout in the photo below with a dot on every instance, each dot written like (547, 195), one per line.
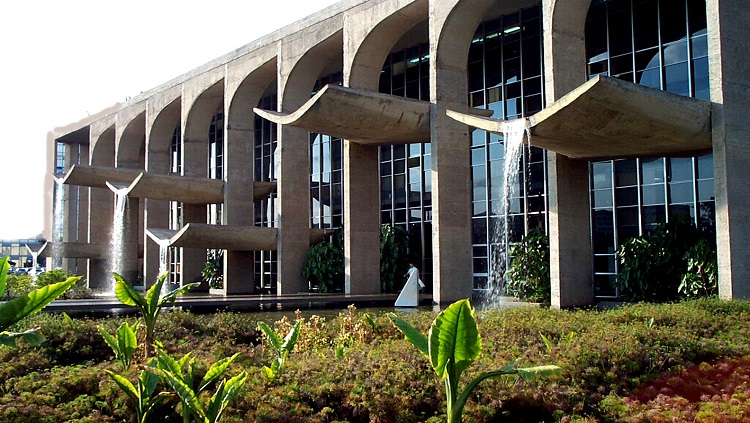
(117, 243)
(58, 224)
(514, 134)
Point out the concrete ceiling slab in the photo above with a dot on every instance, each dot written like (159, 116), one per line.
(610, 118)
(362, 116)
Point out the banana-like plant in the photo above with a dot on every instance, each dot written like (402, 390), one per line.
(142, 393)
(452, 345)
(15, 310)
(178, 374)
(281, 347)
(149, 305)
(123, 344)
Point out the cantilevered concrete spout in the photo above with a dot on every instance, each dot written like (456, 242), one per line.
(225, 237)
(97, 177)
(363, 116)
(185, 189)
(609, 118)
(81, 250)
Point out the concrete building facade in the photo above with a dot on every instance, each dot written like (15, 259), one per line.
(394, 111)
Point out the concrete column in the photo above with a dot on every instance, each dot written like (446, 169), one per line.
(71, 206)
(201, 98)
(83, 211)
(370, 32)
(452, 24)
(361, 219)
(301, 61)
(101, 201)
(294, 208)
(728, 23)
(195, 159)
(239, 209)
(569, 210)
(162, 117)
(246, 81)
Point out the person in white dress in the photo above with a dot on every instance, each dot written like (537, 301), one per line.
(409, 296)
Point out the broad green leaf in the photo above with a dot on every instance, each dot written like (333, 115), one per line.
(411, 334)
(125, 385)
(532, 373)
(268, 372)
(186, 394)
(16, 309)
(172, 295)
(215, 371)
(149, 380)
(454, 337)
(67, 319)
(110, 340)
(270, 335)
(4, 266)
(127, 295)
(168, 363)
(32, 336)
(152, 295)
(126, 342)
(224, 395)
(290, 340)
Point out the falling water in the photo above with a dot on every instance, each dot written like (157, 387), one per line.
(163, 258)
(117, 243)
(57, 223)
(514, 134)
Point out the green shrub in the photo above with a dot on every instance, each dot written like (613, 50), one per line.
(213, 270)
(701, 278)
(17, 285)
(324, 264)
(394, 261)
(528, 275)
(652, 266)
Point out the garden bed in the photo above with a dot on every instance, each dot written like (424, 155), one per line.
(621, 365)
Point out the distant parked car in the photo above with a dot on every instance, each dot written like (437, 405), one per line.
(22, 271)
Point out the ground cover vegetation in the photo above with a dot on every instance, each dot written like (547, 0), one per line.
(635, 364)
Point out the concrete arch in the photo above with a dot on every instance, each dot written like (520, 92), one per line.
(301, 62)
(201, 99)
(368, 45)
(564, 46)
(243, 93)
(102, 146)
(197, 114)
(159, 137)
(131, 141)
(296, 82)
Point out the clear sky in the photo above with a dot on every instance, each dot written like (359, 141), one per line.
(63, 60)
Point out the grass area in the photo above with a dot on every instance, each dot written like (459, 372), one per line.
(640, 363)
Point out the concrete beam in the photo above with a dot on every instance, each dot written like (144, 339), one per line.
(98, 176)
(609, 118)
(82, 250)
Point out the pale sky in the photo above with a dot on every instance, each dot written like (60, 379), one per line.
(61, 60)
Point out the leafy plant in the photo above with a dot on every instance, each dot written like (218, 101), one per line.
(394, 260)
(142, 393)
(123, 344)
(324, 264)
(150, 306)
(15, 310)
(652, 266)
(179, 375)
(282, 347)
(528, 275)
(452, 345)
(701, 278)
(213, 270)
